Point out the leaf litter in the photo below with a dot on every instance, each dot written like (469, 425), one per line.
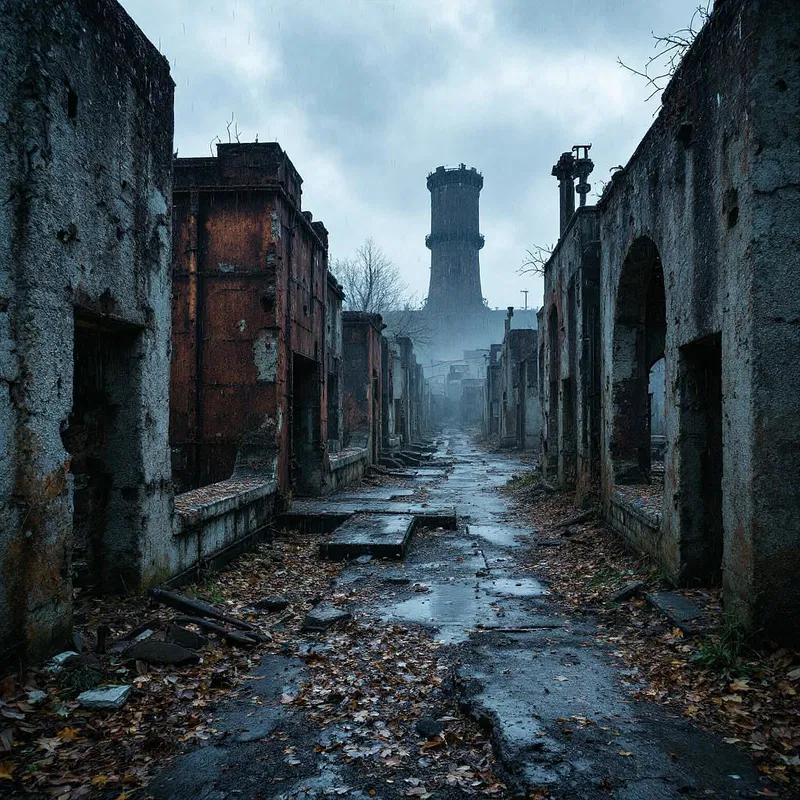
(367, 688)
(743, 690)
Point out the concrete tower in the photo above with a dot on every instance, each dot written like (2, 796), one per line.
(455, 240)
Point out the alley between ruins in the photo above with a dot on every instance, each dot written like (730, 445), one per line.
(504, 652)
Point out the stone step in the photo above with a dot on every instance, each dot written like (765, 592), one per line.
(380, 535)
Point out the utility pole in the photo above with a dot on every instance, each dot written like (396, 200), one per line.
(525, 292)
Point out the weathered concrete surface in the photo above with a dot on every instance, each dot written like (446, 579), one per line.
(691, 255)
(380, 535)
(557, 702)
(85, 174)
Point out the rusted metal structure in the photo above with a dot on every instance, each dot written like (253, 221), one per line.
(249, 371)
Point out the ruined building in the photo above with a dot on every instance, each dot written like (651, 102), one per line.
(86, 177)
(455, 241)
(670, 337)
(256, 358)
(456, 317)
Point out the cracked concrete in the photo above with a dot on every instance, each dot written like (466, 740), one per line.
(554, 699)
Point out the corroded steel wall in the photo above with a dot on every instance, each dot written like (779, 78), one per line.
(249, 292)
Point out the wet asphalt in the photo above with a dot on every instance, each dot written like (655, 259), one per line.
(554, 698)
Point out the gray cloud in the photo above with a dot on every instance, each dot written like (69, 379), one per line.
(368, 96)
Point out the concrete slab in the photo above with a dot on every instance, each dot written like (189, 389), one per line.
(328, 514)
(679, 610)
(382, 535)
(389, 493)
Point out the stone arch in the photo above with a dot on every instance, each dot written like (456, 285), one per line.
(640, 326)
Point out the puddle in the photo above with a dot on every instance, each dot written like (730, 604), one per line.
(518, 587)
(502, 535)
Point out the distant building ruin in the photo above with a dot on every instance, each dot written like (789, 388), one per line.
(455, 241)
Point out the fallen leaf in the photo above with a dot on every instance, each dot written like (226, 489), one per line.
(7, 770)
(68, 734)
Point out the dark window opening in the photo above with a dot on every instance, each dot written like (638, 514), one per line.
(306, 464)
(700, 452)
(105, 489)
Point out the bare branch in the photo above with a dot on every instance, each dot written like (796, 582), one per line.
(371, 281)
(670, 50)
(535, 260)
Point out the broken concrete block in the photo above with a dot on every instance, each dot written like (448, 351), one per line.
(679, 610)
(35, 697)
(155, 652)
(271, 604)
(185, 638)
(325, 617)
(628, 591)
(428, 727)
(57, 662)
(105, 698)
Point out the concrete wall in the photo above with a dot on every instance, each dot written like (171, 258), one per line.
(215, 523)
(570, 362)
(85, 173)
(517, 426)
(714, 188)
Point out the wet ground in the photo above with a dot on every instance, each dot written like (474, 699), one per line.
(556, 701)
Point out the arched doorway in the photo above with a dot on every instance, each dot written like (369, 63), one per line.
(640, 327)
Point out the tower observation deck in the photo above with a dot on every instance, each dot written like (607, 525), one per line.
(455, 240)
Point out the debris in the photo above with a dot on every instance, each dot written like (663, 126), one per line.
(324, 617)
(628, 591)
(155, 652)
(35, 697)
(238, 638)
(177, 634)
(78, 642)
(679, 610)
(397, 580)
(365, 559)
(189, 605)
(585, 517)
(271, 604)
(57, 662)
(105, 698)
(428, 727)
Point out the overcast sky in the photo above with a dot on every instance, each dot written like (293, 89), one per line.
(368, 96)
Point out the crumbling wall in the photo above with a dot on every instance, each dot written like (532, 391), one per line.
(250, 273)
(86, 141)
(713, 186)
(570, 398)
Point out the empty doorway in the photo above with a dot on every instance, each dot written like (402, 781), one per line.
(700, 452)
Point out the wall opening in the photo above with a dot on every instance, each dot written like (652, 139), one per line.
(306, 428)
(555, 374)
(639, 335)
(700, 454)
(101, 437)
(333, 408)
(375, 433)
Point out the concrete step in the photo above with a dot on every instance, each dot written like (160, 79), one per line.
(380, 535)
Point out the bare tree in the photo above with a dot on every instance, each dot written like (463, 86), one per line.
(371, 281)
(409, 321)
(670, 49)
(535, 260)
